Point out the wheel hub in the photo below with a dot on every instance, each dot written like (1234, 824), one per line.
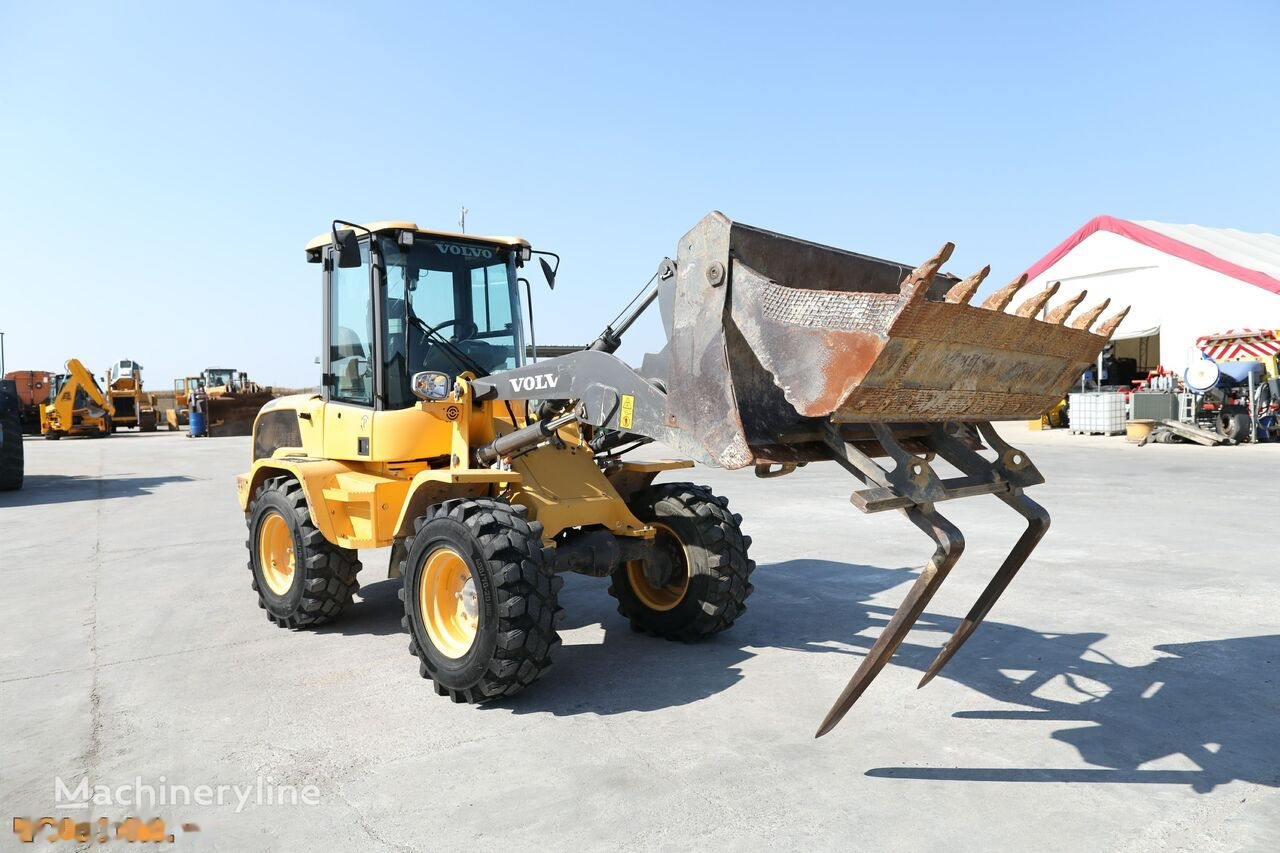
(448, 602)
(661, 581)
(469, 601)
(275, 553)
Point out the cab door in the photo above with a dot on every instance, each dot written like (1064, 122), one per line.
(349, 381)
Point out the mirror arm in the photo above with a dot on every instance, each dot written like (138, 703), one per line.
(547, 269)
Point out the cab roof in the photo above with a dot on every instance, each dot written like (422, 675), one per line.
(322, 240)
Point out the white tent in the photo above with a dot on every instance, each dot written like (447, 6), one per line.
(1182, 281)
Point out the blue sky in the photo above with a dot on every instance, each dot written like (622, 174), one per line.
(162, 165)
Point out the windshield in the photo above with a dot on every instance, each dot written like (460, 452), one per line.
(215, 377)
(451, 306)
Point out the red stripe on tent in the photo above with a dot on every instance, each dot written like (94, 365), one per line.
(1155, 240)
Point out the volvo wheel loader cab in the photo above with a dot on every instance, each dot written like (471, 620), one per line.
(76, 406)
(489, 475)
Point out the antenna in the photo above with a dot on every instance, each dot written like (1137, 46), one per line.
(462, 219)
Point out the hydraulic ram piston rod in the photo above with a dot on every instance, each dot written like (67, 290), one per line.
(522, 439)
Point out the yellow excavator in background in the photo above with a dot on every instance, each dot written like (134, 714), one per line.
(76, 406)
(490, 475)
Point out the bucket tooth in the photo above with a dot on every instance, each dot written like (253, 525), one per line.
(1088, 318)
(950, 545)
(999, 300)
(917, 283)
(1035, 304)
(963, 291)
(1109, 326)
(1059, 315)
(1037, 526)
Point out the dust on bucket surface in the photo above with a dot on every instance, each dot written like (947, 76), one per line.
(1136, 431)
(196, 424)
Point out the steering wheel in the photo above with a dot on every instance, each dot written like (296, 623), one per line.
(471, 329)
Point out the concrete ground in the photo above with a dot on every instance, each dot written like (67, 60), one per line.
(1123, 695)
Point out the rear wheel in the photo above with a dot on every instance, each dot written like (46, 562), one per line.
(699, 580)
(479, 599)
(302, 579)
(53, 435)
(11, 461)
(1234, 425)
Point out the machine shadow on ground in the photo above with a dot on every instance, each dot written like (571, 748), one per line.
(1211, 704)
(42, 489)
(376, 610)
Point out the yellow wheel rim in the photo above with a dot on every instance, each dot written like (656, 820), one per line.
(275, 553)
(661, 597)
(448, 602)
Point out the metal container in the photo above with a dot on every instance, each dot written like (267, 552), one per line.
(33, 386)
(1097, 412)
(1153, 405)
(197, 425)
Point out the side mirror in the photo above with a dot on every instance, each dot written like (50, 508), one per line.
(431, 385)
(548, 272)
(347, 248)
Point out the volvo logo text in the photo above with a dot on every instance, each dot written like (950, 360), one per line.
(540, 382)
(464, 251)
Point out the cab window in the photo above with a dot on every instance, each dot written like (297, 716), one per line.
(351, 333)
(451, 306)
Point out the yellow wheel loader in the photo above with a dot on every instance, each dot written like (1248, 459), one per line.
(76, 405)
(130, 405)
(232, 403)
(491, 475)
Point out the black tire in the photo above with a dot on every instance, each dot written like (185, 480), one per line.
(514, 587)
(1234, 425)
(52, 435)
(11, 454)
(323, 575)
(708, 552)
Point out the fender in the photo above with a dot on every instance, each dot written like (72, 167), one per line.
(433, 486)
(312, 474)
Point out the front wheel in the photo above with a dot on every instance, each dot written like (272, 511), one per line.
(302, 579)
(480, 599)
(698, 581)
